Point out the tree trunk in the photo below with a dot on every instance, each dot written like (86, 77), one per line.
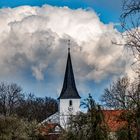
(138, 132)
(129, 131)
(138, 123)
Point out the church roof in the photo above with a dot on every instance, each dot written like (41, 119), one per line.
(69, 89)
(52, 119)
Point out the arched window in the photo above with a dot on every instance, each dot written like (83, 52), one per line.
(70, 103)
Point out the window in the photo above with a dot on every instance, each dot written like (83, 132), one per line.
(70, 103)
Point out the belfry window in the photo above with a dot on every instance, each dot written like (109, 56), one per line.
(70, 103)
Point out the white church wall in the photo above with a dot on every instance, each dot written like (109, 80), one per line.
(64, 106)
(66, 110)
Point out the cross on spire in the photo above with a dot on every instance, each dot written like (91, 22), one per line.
(69, 45)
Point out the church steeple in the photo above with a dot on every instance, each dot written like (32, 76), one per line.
(69, 90)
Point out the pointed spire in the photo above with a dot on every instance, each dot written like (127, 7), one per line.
(69, 89)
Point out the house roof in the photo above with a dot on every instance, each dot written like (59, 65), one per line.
(54, 119)
(69, 90)
(50, 128)
(112, 119)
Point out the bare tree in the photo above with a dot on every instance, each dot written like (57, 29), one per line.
(10, 96)
(116, 95)
(37, 108)
(130, 7)
(130, 22)
(134, 95)
(125, 95)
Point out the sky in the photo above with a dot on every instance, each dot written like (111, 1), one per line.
(33, 45)
(108, 10)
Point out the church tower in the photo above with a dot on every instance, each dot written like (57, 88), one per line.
(69, 99)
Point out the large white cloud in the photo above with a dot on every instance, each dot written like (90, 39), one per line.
(35, 39)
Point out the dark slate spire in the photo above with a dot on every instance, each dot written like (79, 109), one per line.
(69, 88)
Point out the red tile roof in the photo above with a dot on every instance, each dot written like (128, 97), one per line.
(47, 128)
(112, 119)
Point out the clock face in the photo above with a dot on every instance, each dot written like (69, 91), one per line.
(70, 108)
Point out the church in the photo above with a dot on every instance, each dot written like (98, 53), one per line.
(69, 99)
